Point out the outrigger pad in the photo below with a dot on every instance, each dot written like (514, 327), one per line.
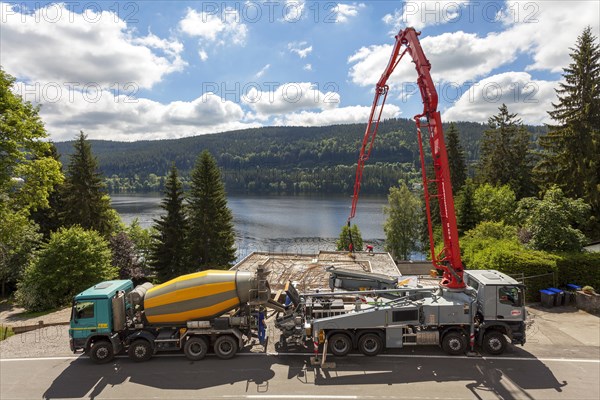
(292, 293)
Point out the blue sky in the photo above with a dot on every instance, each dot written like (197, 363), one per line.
(153, 69)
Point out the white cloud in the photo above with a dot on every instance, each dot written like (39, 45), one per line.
(203, 55)
(224, 27)
(522, 94)
(83, 48)
(343, 12)
(341, 115)
(460, 57)
(307, 67)
(290, 97)
(104, 115)
(302, 49)
(262, 71)
(419, 14)
(293, 10)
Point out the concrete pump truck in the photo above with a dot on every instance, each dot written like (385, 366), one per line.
(469, 308)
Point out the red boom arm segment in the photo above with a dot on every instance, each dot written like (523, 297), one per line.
(448, 261)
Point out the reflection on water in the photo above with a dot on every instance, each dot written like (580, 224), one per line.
(298, 224)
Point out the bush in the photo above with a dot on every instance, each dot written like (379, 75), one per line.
(343, 242)
(71, 261)
(579, 268)
(495, 246)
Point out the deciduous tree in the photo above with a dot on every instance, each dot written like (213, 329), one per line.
(402, 224)
(72, 260)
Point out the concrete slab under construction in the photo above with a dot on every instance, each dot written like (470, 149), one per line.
(309, 270)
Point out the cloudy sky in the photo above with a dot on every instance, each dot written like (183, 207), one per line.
(149, 70)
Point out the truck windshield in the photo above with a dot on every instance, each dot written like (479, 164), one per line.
(83, 309)
(511, 295)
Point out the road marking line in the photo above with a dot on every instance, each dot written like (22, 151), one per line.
(430, 356)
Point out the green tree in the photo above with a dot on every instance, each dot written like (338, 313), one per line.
(85, 202)
(343, 242)
(571, 149)
(466, 212)
(16, 249)
(495, 203)
(27, 172)
(552, 221)
(143, 243)
(124, 257)
(48, 219)
(402, 224)
(506, 158)
(168, 251)
(71, 261)
(456, 158)
(211, 238)
(28, 175)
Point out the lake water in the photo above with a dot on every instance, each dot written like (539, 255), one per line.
(298, 224)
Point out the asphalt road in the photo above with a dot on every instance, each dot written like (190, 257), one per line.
(417, 373)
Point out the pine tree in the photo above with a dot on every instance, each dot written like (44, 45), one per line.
(466, 212)
(571, 156)
(168, 254)
(505, 154)
(343, 242)
(456, 158)
(84, 200)
(211, 239)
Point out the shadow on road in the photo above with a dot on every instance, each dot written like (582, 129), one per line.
(504, 378)
(83, 378)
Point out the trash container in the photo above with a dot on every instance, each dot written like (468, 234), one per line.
(559, 299)
(570, 293)
(547, 298)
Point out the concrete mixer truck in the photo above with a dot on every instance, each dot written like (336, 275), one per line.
(209, 309)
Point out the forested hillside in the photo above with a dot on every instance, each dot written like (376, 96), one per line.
(276, 159)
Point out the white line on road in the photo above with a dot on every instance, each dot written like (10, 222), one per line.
(576, 360)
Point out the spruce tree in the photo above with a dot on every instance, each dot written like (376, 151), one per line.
(168, 253)
(456, 158)
(466, 213)
(505, 154)
(571, 149)
(211, 238)
(84, 199)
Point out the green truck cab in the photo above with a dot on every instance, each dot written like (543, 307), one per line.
(92, 327)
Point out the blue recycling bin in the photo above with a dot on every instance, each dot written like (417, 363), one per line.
(570, 293)
(559, 298)
(573, 286)
(547, 298)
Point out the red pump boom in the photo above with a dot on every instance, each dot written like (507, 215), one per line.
(448, 260)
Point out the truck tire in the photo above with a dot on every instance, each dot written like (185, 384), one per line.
(370, 344)
(102, 352)
(340, 344)
(494, 342)
(195, 348)
(140, 350)
(454, 343)
(225, 347)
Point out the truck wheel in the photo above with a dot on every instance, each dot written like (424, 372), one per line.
(140, 350)
(102, 352)
(195, 348)
(494, 342)
(340, 344)
(370, 344)
(225, 347)
(454, 343)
